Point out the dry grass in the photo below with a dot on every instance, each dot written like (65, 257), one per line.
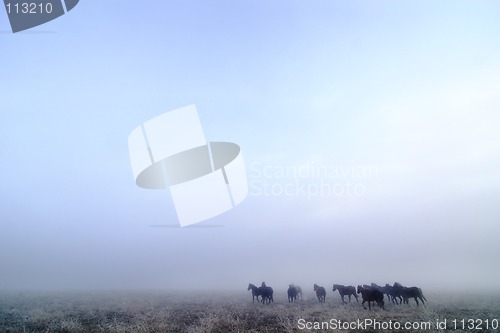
(194, 312)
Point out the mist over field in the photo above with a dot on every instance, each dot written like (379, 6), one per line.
(369, 132)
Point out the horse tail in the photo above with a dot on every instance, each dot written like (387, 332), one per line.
(422, 294)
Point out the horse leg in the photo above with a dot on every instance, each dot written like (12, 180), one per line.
(363, 303)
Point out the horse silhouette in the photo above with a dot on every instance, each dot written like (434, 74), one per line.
(393, 294)
(266, 294)
(299, 291)
(345, 290)
(320, 293)
(292, 293)
(410, 292)
(371, 295)
(255, 292)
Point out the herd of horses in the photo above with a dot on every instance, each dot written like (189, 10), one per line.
(371, 294)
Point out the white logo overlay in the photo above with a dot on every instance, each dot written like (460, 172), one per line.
(205, 179)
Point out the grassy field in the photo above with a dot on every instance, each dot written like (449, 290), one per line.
(164, 311)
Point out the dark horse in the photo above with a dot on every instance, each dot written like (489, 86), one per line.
(410, 292)
(292, 293)
(343, 290)
(371, 295)
(299, 291)
(393, 294)
(320, 293)
(376, 286)
(255, 292)
(266, 293)
(385, 290)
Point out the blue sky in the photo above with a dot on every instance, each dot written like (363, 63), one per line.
(406, 88)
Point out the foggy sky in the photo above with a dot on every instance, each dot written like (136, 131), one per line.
(369, 132)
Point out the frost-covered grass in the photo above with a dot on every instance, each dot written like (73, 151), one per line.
(190, 311)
